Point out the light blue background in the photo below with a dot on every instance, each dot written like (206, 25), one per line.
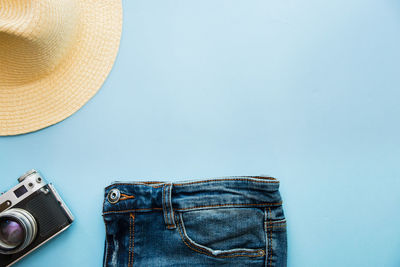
(306, 91)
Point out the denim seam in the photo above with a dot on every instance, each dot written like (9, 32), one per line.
(170, 209)
(233, 204)
(154, 186)
(131, 238)
(272, 180)
(167, 206)
(130, 210)
(186, 240)
(223, 180)
(184, 209)
(164, 206)
(130, 241)
(269, 237)
(276, 224)
(266, 237)
(279, 226)
(277, 221)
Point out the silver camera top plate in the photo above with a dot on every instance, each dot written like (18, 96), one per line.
(29, 183)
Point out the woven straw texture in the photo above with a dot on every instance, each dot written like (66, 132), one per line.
(54, 56)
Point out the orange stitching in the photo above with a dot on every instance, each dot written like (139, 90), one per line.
(279, 226)
(222, 205)
(272, 180)
(130, 242)
(275, 225)
(222, 180)
(155, 186)
(121, 211)
(266, 235)
(124, 197)
(210, 206)
(276, 222)
(269, 241)
(205, 252)
(132, 216)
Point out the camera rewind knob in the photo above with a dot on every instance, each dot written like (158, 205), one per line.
(22, 177)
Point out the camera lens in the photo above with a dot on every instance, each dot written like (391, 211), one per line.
(11, 232)
(17, 230)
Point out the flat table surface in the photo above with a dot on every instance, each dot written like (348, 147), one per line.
(305, 91)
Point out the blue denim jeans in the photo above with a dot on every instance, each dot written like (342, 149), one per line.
(230, 221)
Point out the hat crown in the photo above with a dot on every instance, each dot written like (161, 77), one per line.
(34, 37)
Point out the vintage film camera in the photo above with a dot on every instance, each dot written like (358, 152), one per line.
(31, 214)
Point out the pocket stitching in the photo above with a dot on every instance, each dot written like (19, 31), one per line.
(191, 244)
(233, 205)
(269, 233)
(275, 224)
(131, 238)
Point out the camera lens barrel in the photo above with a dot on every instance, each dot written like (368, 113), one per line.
(18, 229)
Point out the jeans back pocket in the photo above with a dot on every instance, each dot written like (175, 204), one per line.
(224, 232)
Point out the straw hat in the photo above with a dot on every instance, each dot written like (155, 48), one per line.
(54, 56)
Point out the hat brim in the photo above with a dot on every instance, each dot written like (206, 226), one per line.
(51, 99)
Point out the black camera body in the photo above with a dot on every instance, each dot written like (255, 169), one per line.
(31, 214)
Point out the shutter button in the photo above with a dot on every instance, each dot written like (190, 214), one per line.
(113, 196)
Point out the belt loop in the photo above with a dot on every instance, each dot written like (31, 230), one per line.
(167, 206)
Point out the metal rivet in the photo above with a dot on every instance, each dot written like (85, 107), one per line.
(113, 196)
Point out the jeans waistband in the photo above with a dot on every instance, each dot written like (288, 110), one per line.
(238, 191)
